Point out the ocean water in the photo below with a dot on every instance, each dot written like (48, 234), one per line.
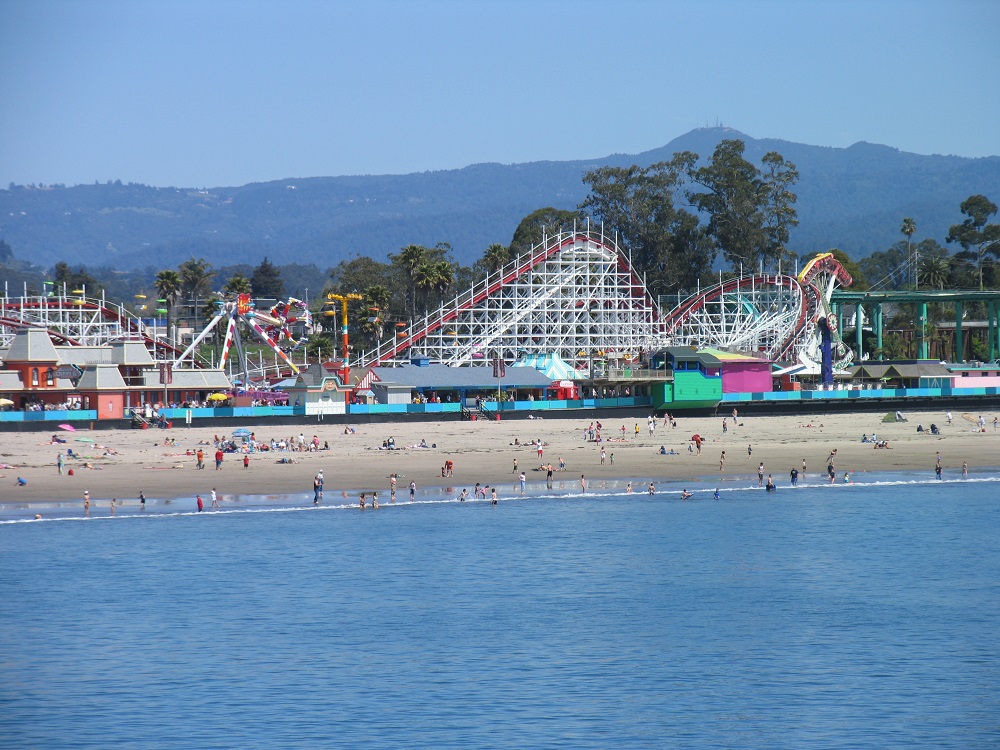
(857, 616)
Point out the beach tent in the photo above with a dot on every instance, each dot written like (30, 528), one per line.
(551, 365)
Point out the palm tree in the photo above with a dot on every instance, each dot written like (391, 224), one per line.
(933, 272)
(909, 228)
(411, 258)
(377, 296)
(196, 281)
(496, 257)
(425, 278)
(168, 286)
(238, 284)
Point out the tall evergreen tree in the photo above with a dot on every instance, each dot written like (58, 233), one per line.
(266, 281)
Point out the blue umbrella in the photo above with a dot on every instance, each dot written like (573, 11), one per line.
(241, 432)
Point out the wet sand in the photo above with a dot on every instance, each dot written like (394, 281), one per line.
(484, 452)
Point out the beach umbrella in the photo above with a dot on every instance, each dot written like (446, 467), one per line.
(6, 402)
(218, 397)
(241, 432)
(696, 437)
(67, 427)
(84, 440)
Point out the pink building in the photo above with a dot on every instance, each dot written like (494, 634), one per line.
(742, 373)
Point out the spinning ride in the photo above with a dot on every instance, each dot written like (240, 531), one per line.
(283, 328)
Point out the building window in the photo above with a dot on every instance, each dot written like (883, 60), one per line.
(49, 378)
(34, 377)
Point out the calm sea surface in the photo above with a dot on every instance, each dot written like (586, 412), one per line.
(861, 616)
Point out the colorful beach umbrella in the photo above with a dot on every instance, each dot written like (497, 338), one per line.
(241, 432)
(217, 397)
(67, 427)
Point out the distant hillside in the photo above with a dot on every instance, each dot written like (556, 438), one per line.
(851, 198)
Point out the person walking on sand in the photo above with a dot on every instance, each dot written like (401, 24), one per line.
(59, 462)
(603, 455)
(246, 461)
(142, 501)
(86, 503)
(722, 461)
(218, 459)
(749, 451)
(514, 470)
(200, 455)
(215, 498)
(540, 447)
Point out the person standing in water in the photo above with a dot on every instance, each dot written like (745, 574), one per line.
(142, 501)
(86, 503)
(375, 500)
(652, 489)
(522, 478)
(215, 498)
(583, 483)
(413, 490)
(493, 496)
(461, 498)
(114, 503)
(201, 503)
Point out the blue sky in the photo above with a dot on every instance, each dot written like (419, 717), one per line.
(201, 93)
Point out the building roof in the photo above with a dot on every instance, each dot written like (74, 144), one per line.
(725, 356)
(202, 380)
(10, 380)
(131, 353)
(446, 377)
(918, 369)
(32, 345)
(100, 378)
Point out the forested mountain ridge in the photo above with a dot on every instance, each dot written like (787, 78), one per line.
(852, 198)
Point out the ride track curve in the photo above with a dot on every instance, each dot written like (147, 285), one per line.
(773, 315)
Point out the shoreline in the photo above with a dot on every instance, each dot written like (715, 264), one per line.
(484, 452)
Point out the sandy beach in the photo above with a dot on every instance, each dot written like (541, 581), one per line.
(485, 452)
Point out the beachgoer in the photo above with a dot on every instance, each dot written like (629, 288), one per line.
(465, 494)
(794, 476)
(522, 479)
(540, 447)
(201, 458)
(375, 500)
(215, 498)
(628, 488)
(114, 504)
(413, 490)
(562, 464)
(316, 490)
(716, 495)
(847, 477)
(769, 487)
(803, 468)
(937, 459)
(831, 472)
(583, 483)
(361, 501)
(937, 471)
(548, 476)
(603, 455)
(201, 503)
(612, 457)
(59, 462)
(965, 468)
(722, 461)
(833, 454)
(760, 474)
(948, 417)
(246, 462)
(685, 494)
(652, 489)
(218, 460)
(493, 496)
(514, 470)
(86, 503)
(142, 501)
(749, 450)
